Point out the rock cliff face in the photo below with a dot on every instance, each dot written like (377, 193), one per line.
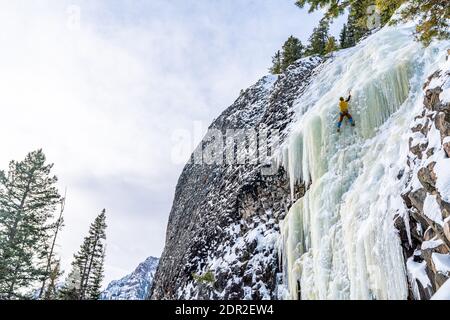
(425, 229)
(223, 226)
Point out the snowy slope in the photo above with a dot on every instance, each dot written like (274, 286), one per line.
(443, 293)
(135, 286)
(339, 240)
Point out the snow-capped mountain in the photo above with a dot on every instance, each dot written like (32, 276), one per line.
(135, 286)
(360, 214)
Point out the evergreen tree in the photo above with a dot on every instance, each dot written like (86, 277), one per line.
(72, 285)
(84, 281)
(351, 38)
(333, 7)
(432, 16)
(331, 45)
(357, 24)
(276, 63)
(319, 38)
(343, 37)
(95, 286)
(51, 256)
(388, 8)
(51, 290)
(358, 16)
(292, 51)
(433, 19)
(28, 198)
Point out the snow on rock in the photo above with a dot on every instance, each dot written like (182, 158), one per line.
(442, 170)
(418, 275)
(444, 83)
(431, 244)
(135, 286)
(441, 262)
(418, 138)
(445, 94)
(443, 293)
(432, 210)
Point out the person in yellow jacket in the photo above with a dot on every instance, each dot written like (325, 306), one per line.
(343, 106)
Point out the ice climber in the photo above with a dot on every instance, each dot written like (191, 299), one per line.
(343, 106)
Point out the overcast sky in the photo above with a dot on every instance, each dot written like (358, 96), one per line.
(103, 95)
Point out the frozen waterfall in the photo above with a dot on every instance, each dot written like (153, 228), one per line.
(339, 241)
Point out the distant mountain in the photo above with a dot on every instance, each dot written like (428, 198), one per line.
(135, 286)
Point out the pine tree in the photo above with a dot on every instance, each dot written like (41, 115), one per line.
(95, 286)
(343, 37)
(331, 45)
(333, 7)
(319, 38)
(355, 28)
(84, 281)
(292, 50)
(276, 63)
(28, 198)
(91, 254)
(388, 8)
(51, 290)
(351, 39)
(51, 255)
(358, 16)
(72, 285)
(432, 16)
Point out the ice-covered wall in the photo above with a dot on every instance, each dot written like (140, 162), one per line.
(339, 241)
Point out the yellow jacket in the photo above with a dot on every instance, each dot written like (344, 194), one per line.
(343, 105)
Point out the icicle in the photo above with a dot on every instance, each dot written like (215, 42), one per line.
(294, 160)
